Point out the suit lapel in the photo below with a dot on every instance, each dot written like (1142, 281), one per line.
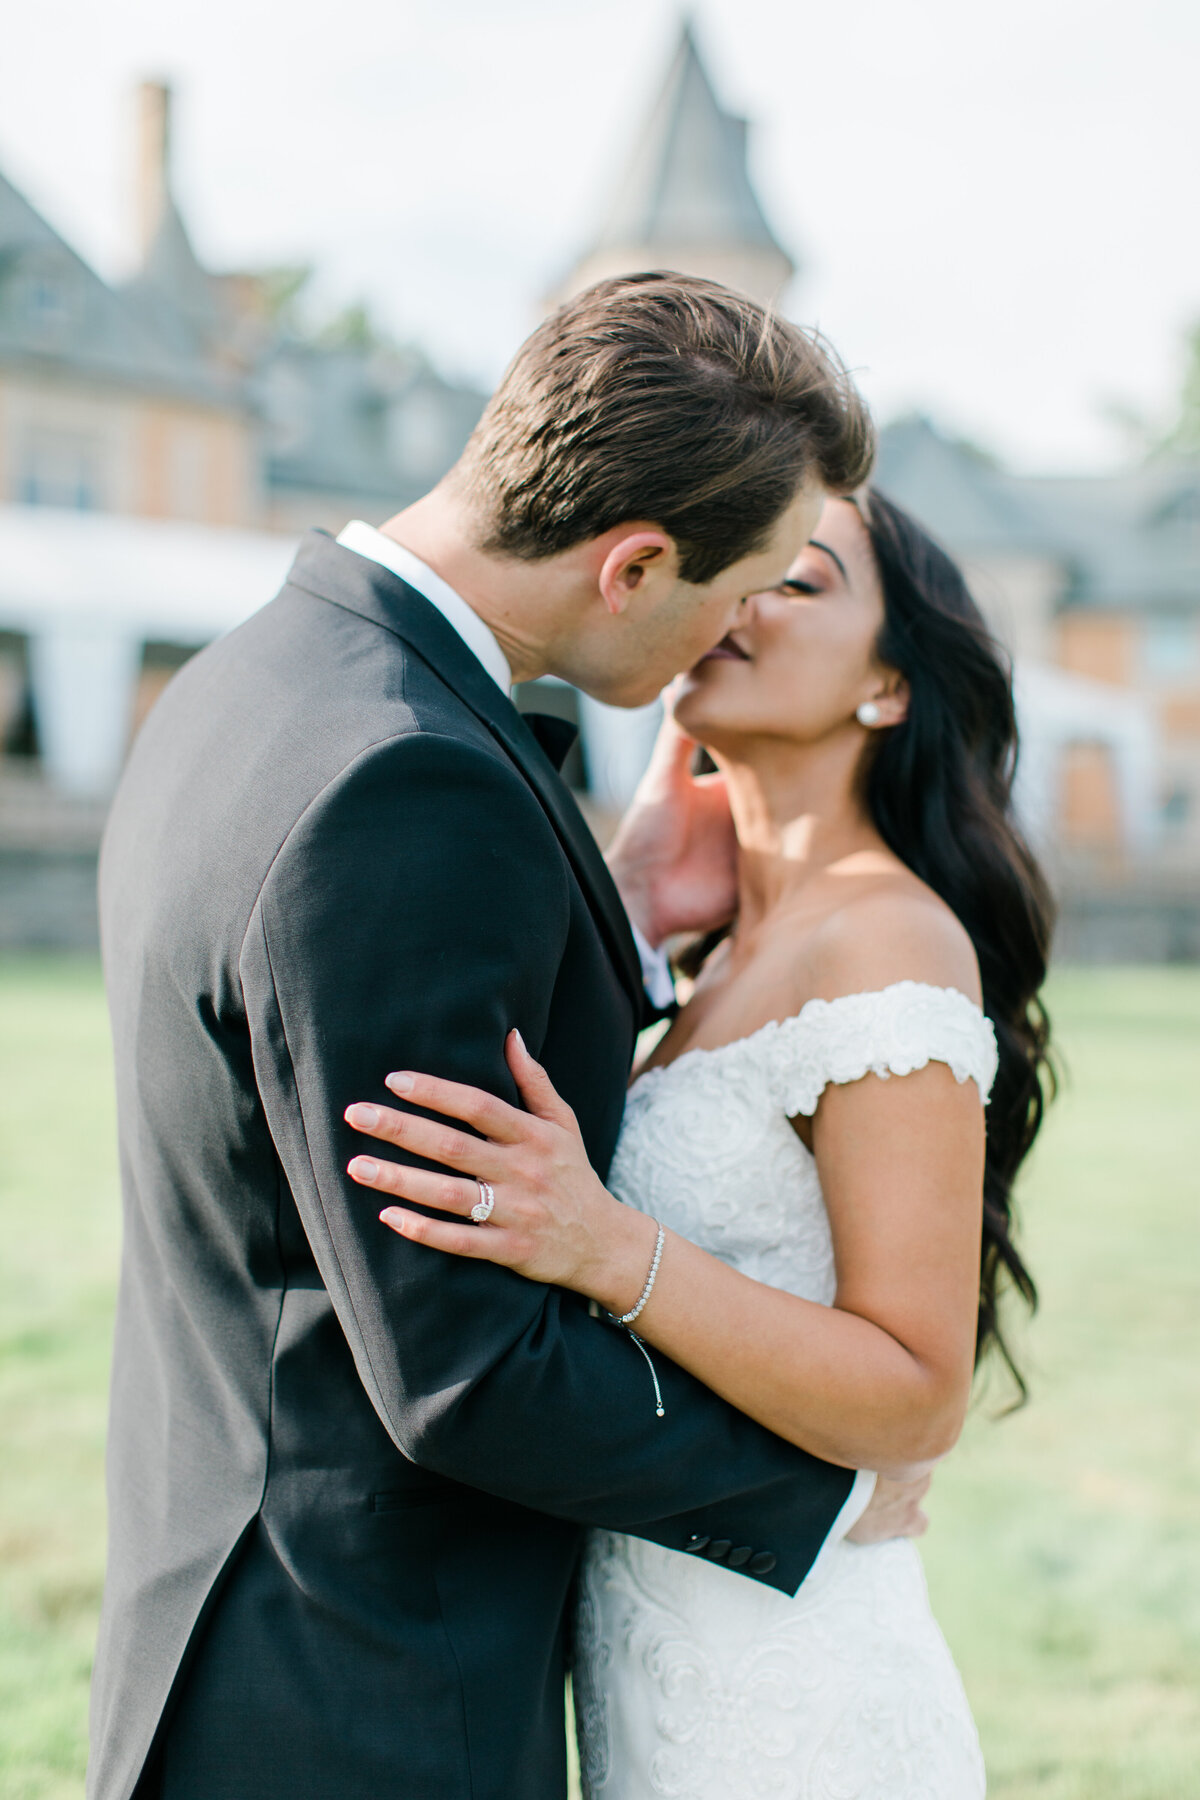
(331, 572)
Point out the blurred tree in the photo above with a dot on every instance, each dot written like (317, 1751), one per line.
(1183, 439)
(281, 291)
(353, 329)
(1146, 434)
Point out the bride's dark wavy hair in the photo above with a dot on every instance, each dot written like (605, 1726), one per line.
(939, 790)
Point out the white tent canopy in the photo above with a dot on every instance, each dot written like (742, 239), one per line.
(89, 589)
(149, 578)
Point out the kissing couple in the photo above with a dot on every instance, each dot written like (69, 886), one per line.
(446, 1358)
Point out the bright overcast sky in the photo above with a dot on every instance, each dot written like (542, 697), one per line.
(996, 207)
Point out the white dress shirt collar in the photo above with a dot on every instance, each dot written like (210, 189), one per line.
(364, 540)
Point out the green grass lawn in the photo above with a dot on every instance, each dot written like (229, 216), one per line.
(1065, 1552)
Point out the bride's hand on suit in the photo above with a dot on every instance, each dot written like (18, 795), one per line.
(878, 1380)
(553, 1219)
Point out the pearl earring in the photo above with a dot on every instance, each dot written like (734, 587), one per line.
(868, 713)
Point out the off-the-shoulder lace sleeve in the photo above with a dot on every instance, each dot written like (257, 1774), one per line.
(891, 1032)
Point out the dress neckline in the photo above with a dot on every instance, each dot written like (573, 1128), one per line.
(814, 1007)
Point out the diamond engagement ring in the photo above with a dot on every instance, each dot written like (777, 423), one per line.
(482, 1210)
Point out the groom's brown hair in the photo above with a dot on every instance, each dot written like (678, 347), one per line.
(666, 398)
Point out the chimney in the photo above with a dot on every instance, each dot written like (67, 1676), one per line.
(153, 160)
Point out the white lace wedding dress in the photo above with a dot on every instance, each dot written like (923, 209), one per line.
(696, 1682)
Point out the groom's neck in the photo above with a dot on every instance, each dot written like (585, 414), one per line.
(507, 595)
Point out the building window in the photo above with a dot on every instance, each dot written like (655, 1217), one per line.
(17, 733)
(47, 301)
(58, 468)
(187, 473)
(1090, 817)
(1171, 648)
(287, 408)
(50, 296)
(1177, 807)
(421, 437)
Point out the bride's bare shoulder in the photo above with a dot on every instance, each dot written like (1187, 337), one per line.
(897, 930)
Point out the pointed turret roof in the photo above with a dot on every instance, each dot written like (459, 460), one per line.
(55, 309)
(687, 181)
(176, 294)
(172, 266)
(172, 284)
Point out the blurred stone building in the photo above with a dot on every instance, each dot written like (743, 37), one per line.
(157, 440)
(162, 444)
(1093, 583)
(185, 396)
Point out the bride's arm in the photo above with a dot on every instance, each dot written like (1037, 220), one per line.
(879, 1380)
(883, 1377)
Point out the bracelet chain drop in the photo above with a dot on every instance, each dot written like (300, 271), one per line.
(628, 1318)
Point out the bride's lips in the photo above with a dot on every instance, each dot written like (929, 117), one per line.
(728, 650)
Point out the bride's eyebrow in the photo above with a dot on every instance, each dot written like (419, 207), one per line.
(816, 544)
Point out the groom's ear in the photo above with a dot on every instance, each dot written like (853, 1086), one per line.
(636, 554)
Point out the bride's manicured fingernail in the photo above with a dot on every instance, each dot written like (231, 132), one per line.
(520, 1040)
(364, 1168)
(366, 1118)
(399, 1084)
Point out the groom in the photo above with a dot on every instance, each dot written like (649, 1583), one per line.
(348, 1476)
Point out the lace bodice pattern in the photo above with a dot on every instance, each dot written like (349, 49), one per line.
(706, 1146)
(692, 1681)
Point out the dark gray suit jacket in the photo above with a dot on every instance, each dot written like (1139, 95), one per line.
(347, 1475)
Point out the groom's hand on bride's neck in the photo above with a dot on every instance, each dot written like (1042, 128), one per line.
(895, 1509)
(674, 854)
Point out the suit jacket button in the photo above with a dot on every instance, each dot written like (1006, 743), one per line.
(719, 1549)
(696, 1544)
(763, 1563)
(741, 1555)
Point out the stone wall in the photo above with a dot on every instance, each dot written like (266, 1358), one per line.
(48, 900)
(48, 852)
(49, 849)
(1129, 926)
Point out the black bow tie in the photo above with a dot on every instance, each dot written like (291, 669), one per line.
(554, 735)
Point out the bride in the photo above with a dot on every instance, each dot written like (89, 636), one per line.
(821, 1244)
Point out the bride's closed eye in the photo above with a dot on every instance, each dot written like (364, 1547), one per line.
(798, 587)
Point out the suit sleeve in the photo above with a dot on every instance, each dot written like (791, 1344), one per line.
(417, 912)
